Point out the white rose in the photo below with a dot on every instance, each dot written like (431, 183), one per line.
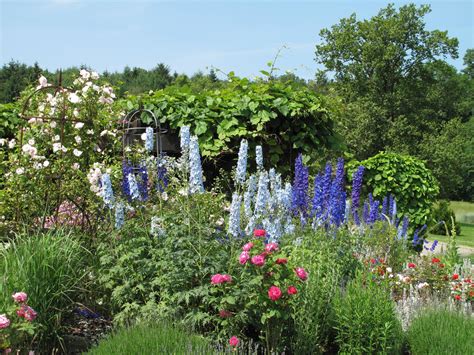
(11, 144)
(73, 98)
(43, 81)
(77, 152)
(79, 125)
(56, 147)
(53, 124)
(90, 131)
(85, 74)
(56, 138)
(46, 163)
(31, 141)
(76, 166)
(78, 139)
(20, 171)
(94, 75)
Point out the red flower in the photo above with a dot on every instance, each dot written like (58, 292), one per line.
(373, 261)
(259, 232)
(274, 293)
(234, 341)
(292, 290)
(411, 265)
(258, 260)
(224, 313)
(441, 265)
(435, 260)
(457, 297)
(455, 277)
(301, 273)
(281, 261)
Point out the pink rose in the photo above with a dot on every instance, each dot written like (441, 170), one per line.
(20, 297)
(258, 260)
(271, 247)
(30, 314)
(244, 257)
(301, 273)
(216, 279)
(274, 293)
(234, 341)
(226, 278)
(247, 246)
(292, 290)
(4, 321)
(259, 232)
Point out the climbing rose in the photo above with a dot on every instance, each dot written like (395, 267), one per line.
(292, 290)
(234, 341)
(216, 279)
(271, 247)
(259, 233)
(281, 261)
(247, 246)
(274, 293)
(258, 260)
(4, 321)
(301, 273)
(411, 265)
(244, 257)
(20, 297)
(455, 277)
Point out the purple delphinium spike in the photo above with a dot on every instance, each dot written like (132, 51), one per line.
(374, 211)
(404, 229)
(365, 213)
(127, 168)
(300, 187)
(326, 184)
(162, 176)
(433, 246)
(338, 196)
(356, 190)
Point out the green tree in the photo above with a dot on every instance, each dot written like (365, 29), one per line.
(469, 63)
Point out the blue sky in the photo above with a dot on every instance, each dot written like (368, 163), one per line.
(192, 35)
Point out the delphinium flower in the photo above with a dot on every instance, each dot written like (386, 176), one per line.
(356, 190)
(259, 157)
(402, 231)
(185, 138)
(416, 235)
(365, 213)
(195, 177)
(300, 188)
(242, 163)
(126, 170)
(384, 208)
(374, 212)
(392, 208)
(262, 195)
(318, 197)
(249, 195)
(149, 139)
(119, 215)
(337, 200)
(133, 186)
(143, 183)
(234, 218)
(107, 192)
(162, 178)
(274, 229)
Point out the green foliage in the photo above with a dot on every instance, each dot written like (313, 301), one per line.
(9, 120)
(441, 332)
(283, 119)
(365, 318)
(443, 217)
(407, 178)
(157, 338)
(50, 269)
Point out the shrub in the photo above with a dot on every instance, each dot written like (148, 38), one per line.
(407, 179)
(152, 339)
(49, 268)
(365, 318)
(441, 332)
(443, 217)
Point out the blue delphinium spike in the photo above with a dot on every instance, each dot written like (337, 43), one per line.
(365, 213)
(133, 186)
(374, 212)
(262, 195)
(337, 199)
(185, 138)
(143, 183)
(259, 157)
(234, 219)
(195, 177)
(242, 163)
(149, 139)
(356, 191)
(107, 192)
(402, 231)
(384, 208)
(126, 169)
(162, 178)
(119, 215)
(300, 187)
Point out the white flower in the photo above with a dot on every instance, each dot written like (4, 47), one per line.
(78, 139)
(35, 120)
(77, 152)
(31, 141)
(56, 138)
(105, 100)
(143, 136)
(104, 132)
(20, 171)
(53, 124)
(90, 131)
(94, 75)
(95, 88)
(85, 74)
(46, 163)
(43, 81)
(75, 113)
(41, 107)
(37, 166)
(27, 148)
(76, 166)
(2, 141)
(56, 147)
(422, 285)
(73, 98)
(79, 125)
(11, 144)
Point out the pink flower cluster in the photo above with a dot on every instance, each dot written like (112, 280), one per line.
(68, 214)
(24, 311)
(4, 321)
(219, 279)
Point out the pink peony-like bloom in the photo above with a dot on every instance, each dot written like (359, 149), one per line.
(258, 260)
(30, 314)
(226, 278)
(259, 232)
(216, 279)
(271, 247)
(292, 290)
(274, 293)
(244, 257)
(281, 261)
(301, 273)
(4, 321)
(20, 297)
(247, 246)
(234, 341)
